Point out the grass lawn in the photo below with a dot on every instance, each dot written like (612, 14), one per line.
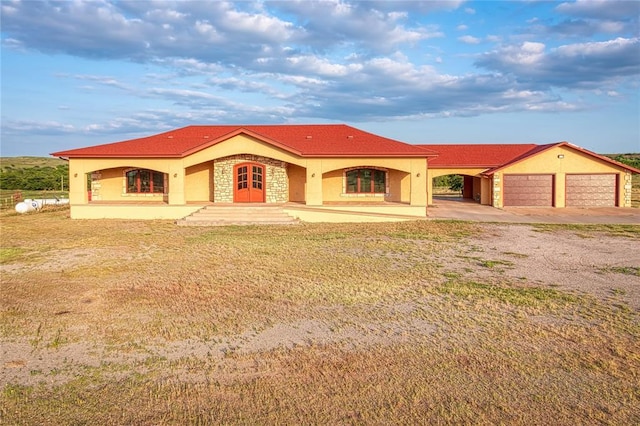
(145, 322)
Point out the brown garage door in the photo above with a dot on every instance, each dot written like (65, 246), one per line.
(591, 190)
(528, 190)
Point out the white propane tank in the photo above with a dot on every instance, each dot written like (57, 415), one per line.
(30, 205)
(27, 206)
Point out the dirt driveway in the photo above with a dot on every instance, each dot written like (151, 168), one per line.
(461, 209)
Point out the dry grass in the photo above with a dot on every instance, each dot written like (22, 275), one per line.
(148, 323)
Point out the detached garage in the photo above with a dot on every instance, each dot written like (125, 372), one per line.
(528, 175)
(560, 175)
(592, 190)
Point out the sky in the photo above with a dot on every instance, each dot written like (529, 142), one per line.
(81, 73)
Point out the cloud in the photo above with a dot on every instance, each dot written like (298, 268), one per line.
(579, 65)
(100, 79)
(467, 39)
(583, 28)
(209, 32)
(274, 62)
(10, 127)
(601, 9)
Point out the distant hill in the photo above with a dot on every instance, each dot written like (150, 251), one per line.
(29, 162)
(33, 173)
(630, 159)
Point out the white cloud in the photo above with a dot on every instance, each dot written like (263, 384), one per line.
(601, 9)
(586, 65)
(467, 39)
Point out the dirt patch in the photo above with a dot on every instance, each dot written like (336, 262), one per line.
(595, 264)
(591, 263)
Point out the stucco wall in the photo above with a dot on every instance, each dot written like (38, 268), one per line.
(106, 184)
(198, 182)
(297, 183)
(399, 186)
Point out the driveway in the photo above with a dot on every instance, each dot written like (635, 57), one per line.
(463, 209)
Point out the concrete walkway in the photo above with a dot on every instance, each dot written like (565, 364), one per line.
(463, 209)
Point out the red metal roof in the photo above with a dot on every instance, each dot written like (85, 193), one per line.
(469, 155)
(318, 140)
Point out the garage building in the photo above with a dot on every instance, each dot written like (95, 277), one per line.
(528, 175)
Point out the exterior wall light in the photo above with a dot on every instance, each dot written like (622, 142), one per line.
(75, 175)
(561, 156)
(313, 175)
(175, 175)
(418, 174)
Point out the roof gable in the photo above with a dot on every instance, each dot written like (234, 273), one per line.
(542, 148)
(321, 140)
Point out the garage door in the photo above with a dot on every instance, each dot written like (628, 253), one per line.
(528, 190)
(591, 190)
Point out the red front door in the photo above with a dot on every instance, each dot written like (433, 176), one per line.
(248, 183)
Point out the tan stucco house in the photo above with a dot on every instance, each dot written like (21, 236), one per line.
(322, 172)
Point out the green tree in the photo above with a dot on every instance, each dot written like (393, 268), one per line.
(456, 182)
(34, 178)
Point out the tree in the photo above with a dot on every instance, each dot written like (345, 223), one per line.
(456, 182)
(34, 178)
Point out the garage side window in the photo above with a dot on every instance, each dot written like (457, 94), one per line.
(142, 181)
(366, 181)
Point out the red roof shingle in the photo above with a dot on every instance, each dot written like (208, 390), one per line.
(323, 140)
(469, 155)
(320, 140)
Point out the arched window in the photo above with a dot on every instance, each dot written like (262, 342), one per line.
(366, 181)
(142, 181)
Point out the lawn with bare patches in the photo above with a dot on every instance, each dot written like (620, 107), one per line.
(144, 322)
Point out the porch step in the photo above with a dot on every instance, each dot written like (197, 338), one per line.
(224, 215)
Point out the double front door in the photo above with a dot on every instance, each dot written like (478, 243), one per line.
(249, 184)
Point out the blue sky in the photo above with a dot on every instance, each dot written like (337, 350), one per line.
(80, 73)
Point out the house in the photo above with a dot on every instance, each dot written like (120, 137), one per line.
(318, 170)
(326, 173)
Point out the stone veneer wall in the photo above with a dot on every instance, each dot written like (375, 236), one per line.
(626, 201)
(276, 179)
(496, 189)
(95, 186)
